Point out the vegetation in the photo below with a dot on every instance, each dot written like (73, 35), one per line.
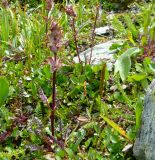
(52, 106)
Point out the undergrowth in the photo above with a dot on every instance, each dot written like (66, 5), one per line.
(52, 106)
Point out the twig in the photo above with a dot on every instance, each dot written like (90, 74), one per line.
(93, 33)
(71, 13)
(75, 38)
(60, 127)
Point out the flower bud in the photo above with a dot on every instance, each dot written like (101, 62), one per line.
(70, 11)
(55, 37)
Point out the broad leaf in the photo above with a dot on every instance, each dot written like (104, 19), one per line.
(131, 51)
(123, 63)
(4, 90)
(123, 66)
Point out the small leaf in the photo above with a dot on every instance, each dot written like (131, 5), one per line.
(4, 90)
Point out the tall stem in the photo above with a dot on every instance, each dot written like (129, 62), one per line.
(93, 33)
(75, 38)
(53, 96)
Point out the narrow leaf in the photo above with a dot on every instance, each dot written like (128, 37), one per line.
(116, 127)
(138, 112)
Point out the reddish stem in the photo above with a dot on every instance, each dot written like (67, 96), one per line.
(75, 38)
(53, 97)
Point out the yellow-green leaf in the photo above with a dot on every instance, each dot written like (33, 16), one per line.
(116, 127)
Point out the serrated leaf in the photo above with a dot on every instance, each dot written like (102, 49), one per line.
(4, 90)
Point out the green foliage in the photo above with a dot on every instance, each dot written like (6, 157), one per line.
(123, 63)
(138, 112)
(4, 90)
(125, 27)
(116, 4)
(98, 111)
(118, 25)
(11, 154)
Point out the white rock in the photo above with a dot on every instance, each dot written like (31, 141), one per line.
(102, 30)
(100, 53)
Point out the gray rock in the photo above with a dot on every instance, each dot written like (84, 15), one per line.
(145, 142)
(101, 53)
(110, 16)
(101, 31)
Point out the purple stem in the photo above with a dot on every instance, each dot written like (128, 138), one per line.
(53, 96)
(75, 38)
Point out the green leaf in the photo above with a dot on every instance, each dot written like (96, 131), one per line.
(116, 127)
(131, 51)
(138, 112)
(137, 77)
(123, 63)
(123, 66)
(80, 137)
(152, 66)
(4, 90)
(70, 152)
